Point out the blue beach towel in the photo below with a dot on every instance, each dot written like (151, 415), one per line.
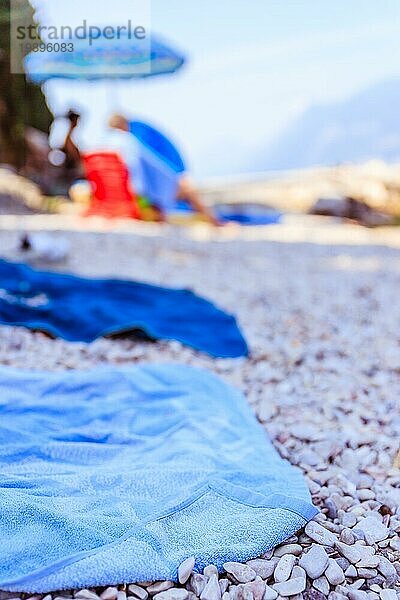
(161, 165)
(112, 476)
(79, 309)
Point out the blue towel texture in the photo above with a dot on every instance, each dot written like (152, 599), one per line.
(111, 476)
(79, 309)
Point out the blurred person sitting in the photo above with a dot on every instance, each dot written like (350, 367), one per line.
(65, 153)
(162, 176)
(70, 149)
(116, 146)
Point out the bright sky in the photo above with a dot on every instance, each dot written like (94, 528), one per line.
(253, 65)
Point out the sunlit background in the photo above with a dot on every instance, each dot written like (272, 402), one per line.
(268, 84)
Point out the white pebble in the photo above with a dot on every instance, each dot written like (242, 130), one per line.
(352, 553)
(284, 568)
(315, 561)
(212, 590)
(294, 549)
(319, 534)
(109, 593)
(322, 585)
(242, 573)
(210, 570)
(172, 594)
(263, 568)
(388, 594)
(270, 593)
(86, 595)
(334, 573)
(374, 530)
(185, 569)
(137, 591)
(291, 587)
(160, 586)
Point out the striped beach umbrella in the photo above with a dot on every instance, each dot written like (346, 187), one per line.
(122, 57)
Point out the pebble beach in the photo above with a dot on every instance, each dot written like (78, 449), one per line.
(320, 309)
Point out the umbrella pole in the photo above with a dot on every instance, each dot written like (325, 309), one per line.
(112, 95)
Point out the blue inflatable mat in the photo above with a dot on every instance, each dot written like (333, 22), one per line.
(247, 213)
(81, 310)
(112, 476)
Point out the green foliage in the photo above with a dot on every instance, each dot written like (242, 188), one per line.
(21, 103)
